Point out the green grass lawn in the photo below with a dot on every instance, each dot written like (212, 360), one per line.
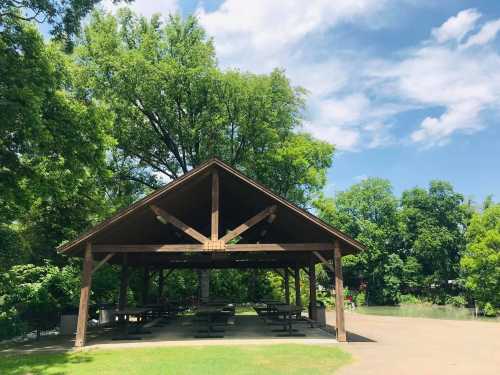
(290, 359)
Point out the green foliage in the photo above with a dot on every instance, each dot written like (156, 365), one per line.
(360, 299)
(480, 265)
(413, 245)
(457, 301)
(33, 296)
(174, 108)
(63, 16)
(409, 299)
(489, 309)
(368, 212)
(432, 225)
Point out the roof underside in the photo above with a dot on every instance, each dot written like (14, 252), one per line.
(189, 200)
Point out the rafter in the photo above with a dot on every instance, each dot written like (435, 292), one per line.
(103, 262)
(179, 224)
(323, 260)
(249, 223)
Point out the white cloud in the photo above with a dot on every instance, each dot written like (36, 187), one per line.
(145, 7)
(354, 98)
(487, 33)
(344, 138)
(464, 83)
(456, 27)
(259, 34)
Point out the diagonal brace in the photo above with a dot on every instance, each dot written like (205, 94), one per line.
(179, 224)
(249, 223)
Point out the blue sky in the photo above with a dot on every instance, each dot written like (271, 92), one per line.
(407, 90)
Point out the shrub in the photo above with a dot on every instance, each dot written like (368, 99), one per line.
(360, 299)
(409, 299)
(489, 310)
(458, 301)
(33, 297)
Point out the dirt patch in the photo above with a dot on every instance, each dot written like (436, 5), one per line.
(405, 346)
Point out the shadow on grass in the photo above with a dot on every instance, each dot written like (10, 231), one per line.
(41, 364)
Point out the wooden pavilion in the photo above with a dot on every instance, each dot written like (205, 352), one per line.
(210, 218)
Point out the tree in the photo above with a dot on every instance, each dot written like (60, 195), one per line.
(433, 226)
(480, 264)
(63, 16)
(368, 212)
(174, 108)
(53, 145)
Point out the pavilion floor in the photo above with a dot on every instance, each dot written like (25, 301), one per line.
(247, 329)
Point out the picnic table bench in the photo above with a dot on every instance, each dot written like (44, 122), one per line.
(286, 312)
(124, 316)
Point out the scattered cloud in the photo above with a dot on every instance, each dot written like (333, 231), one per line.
(464, 82)
(487, 33)
(355, 96)
(455, 28)
(145, 7)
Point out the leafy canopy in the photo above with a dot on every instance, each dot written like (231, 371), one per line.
(175, 108)
(480, 264)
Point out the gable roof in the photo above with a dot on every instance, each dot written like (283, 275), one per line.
(238, 181)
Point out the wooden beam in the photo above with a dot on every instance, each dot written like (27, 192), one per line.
(339, 295)
(103, 262)
(165, 248)
(149, 248)
(248, 224)
(83, 311)
(279, 247)
(298, 298)
(324, 261)
(215, 206)
(312, 290)
(193, 233)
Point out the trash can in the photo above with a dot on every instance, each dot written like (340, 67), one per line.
(68, 322)
(320, 318)
(321, 314)
(105, 313)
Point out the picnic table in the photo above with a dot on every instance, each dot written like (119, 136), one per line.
(124, 316)
(211, 315)
(287, 311)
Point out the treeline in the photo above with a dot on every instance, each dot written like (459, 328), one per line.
(93, 120)
(429, 243)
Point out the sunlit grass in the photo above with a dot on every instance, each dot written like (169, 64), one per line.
(290, 359)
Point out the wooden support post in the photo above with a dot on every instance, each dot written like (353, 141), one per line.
(215, 206)
(122, 298)
(298, 298)
(287, 286)
(339, 294)
(145, 286)
(161, 283)
(83, 312)
(312, 290)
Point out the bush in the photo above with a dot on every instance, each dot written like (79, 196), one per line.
(409, 299)
(34, 296)
(489, 310)
(10, 324)
(457, 301)
(360, 299)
